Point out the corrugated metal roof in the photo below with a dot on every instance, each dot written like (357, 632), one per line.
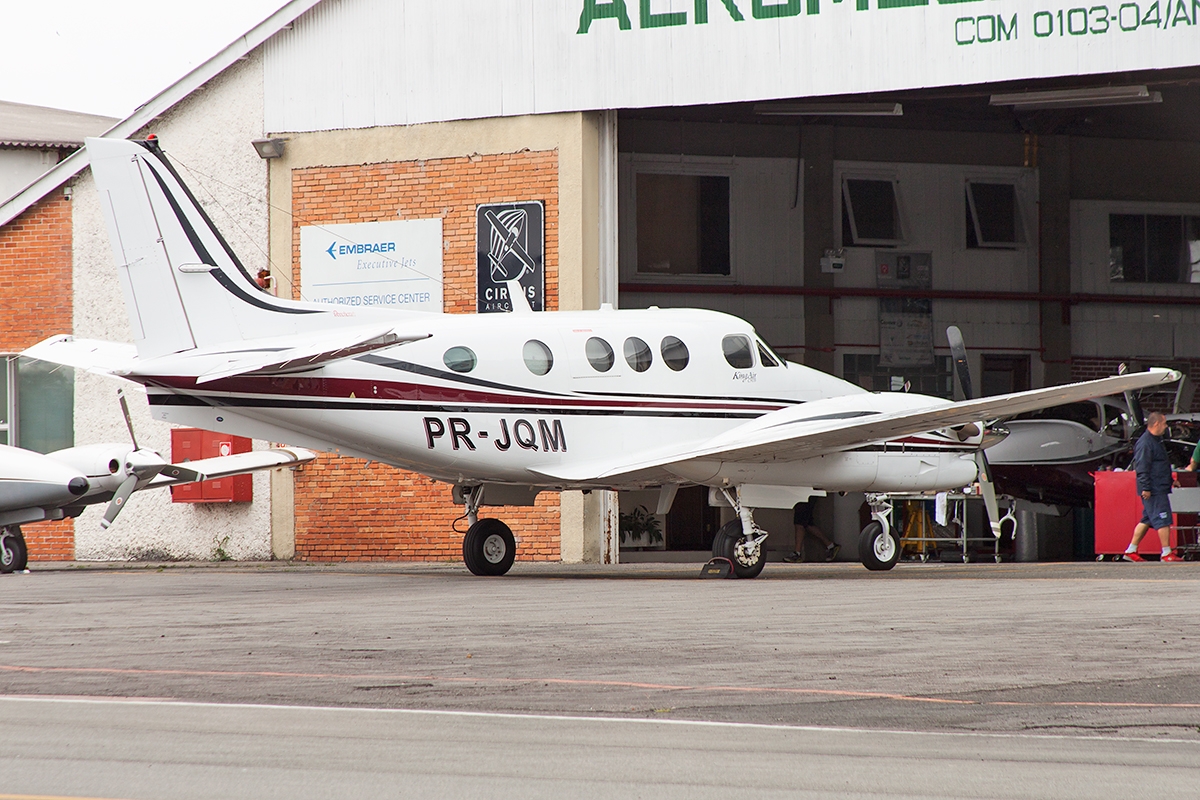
(156, 106)
(36, 126)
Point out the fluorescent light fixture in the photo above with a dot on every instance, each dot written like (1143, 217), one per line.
(829, 109)
(268, 148)
(1077, 98)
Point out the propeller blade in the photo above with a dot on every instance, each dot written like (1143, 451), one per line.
(181, 473)
(958, 351)
(1135, 407)
(118, 502)
(988, 489)
(128, 420)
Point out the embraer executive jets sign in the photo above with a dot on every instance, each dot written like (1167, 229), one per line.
(580, 55)
(397, 264)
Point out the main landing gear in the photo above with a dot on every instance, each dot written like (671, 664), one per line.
(489, 547)
(14, 555)
(878, 548)
(740, 541)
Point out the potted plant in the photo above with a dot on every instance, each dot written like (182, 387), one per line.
(640, 528)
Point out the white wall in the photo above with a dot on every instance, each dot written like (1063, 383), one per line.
(362, 63)
(208, 139)
(1134, 331)
(766, 241)
(933, 213)
(21, 166)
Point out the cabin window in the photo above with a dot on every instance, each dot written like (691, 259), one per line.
(460, 359)
(738, 351)
(638, 354)
(599, 354)
(992, 219)
(538, 357)
(683, 224)
(674, 352)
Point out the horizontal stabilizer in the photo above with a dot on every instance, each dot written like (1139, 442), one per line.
(236, 464)
(106, 358)
(331, 346)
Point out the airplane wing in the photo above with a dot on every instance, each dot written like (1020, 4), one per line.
(828, 426)
(239, 463)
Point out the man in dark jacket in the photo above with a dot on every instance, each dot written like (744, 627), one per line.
(1154, 486)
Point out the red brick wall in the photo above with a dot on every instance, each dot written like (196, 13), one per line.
(35, 302)
(345, 510)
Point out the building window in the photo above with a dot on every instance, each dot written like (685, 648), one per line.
(682, 224)
(935, 379)
(1153, 248)
(993, 216)
(871, 212)
(37, 404)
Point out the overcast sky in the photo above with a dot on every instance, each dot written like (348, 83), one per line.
(110, 56)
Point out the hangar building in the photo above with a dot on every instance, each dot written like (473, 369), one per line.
(851, 177)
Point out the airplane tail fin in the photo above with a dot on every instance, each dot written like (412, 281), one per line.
(184, 286)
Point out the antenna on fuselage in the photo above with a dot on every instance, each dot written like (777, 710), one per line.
(516, 296)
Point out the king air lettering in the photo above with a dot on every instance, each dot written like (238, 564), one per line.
(652, 13)
(542, 435)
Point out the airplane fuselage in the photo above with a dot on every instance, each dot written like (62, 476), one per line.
(507, 398)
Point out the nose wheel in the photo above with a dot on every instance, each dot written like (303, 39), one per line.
(744, 552)
(877, 548)
(489, 548)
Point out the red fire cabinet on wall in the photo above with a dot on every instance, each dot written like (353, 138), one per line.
(193, 444)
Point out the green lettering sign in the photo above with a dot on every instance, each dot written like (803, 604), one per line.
(902, 3)
(702, 11)
(1181, 12)
(1008, 33)
(788, 8)
(663, 20)
(597, 9)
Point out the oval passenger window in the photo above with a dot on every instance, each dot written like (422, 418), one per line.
(674, 353)
(638, 354)
(599, 354)
(737, 352)
(460, 359)
(538, 357)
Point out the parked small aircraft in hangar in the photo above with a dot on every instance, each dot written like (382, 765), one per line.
(60, 485)
(502, 406)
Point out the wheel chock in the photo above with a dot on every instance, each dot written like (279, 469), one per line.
(717, 568)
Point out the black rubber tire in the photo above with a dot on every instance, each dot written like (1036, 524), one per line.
(724, 544)
(489, 548)
(13, 553)
(875, 553)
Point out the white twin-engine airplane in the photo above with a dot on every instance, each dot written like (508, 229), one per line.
(504, 406)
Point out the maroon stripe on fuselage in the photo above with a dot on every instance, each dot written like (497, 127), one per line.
(343, 388)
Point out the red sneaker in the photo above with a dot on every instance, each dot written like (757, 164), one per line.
(1134, 557)
(1171, 557)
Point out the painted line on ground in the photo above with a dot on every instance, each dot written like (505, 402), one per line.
(575, 718)
(665, 687)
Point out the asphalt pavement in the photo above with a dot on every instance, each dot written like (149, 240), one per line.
(822, 680)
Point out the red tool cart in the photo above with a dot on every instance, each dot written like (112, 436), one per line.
(1119, 508)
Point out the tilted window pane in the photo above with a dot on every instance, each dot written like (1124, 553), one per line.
(873, 209)
(995, 217)
(1126, 248)
(683, 224)
(46, 405)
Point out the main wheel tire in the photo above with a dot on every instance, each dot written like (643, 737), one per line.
(23, 561)
(725, 546)
(489, 548)
(876, 549)
(13, 553)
